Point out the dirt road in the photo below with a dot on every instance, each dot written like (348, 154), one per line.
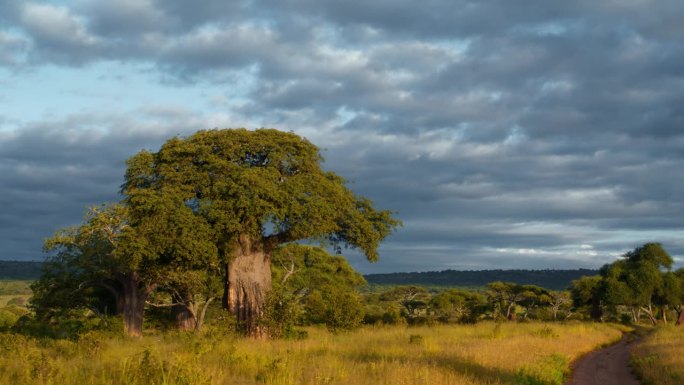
(609, 366)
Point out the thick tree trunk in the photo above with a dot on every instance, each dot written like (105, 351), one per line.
(248, 281)
(596, 312)
(185, 317)
(134, 298)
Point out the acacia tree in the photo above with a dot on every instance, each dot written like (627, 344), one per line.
(255, 190)
(677, 295)
(506, 295)
(638, 280)
(457, 305)
(587, 293)
(644, 275)
(558, 301)
(413, 299)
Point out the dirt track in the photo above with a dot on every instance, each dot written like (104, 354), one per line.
(609, 366)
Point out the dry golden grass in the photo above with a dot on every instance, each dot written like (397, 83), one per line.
(486, 353)
(4, 299)
(659, 358)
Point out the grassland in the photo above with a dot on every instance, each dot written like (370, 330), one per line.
(659, 358)
(486, 353)
(12, 288)
(15, 287)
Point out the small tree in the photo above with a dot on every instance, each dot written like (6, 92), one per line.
(504, 296)
(318, 284)
(587, 293)
(189, 293)
(413, 299)
(92, 255)
(456, 305)
(126, 257)
(678, 296)
(560, 301)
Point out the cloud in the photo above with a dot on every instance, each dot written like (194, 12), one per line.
(12, 49)
(533, 126)
(52, 170)
(58, 34)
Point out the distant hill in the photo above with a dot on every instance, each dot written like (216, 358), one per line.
(20, 270)
(549, 279)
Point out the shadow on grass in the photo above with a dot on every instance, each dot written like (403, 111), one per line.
(449, 362)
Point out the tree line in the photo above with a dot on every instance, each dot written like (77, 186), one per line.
(313, 287)
(556, 279)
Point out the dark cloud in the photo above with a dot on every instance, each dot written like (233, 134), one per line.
(503, 133)
(51, 171)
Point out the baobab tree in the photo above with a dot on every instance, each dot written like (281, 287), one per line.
(255, 190)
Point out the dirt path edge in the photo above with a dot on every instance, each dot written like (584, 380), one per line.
(606, 366)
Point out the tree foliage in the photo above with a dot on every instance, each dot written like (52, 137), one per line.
(640, 282)
(319, 287)
(266, 184)
(248, 192)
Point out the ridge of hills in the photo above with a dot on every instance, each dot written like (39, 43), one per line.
(20, 270)
(548, 278)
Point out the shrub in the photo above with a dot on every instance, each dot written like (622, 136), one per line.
(343, 310)
(281, 314)
(7, 319)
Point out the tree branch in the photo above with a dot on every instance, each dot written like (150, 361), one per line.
(165, 304)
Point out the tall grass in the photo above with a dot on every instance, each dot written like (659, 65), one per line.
(659, 358)
(485, 353)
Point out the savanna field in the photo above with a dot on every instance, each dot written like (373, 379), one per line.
(659, 358)
(486, 353)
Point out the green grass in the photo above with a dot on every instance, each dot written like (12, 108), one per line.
(486, 353)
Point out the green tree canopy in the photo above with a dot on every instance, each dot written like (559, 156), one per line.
(249, 191)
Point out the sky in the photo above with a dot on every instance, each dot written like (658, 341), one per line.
(529, 134)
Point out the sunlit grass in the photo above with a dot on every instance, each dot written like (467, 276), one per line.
(659, 358)
(486, 353)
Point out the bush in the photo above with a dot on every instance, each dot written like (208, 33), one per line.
(7, 319)
(281, 314)
(336, 308)
(393, 316)
(343, 310)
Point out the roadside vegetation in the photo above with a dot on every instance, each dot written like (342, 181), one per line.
(659, 358)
